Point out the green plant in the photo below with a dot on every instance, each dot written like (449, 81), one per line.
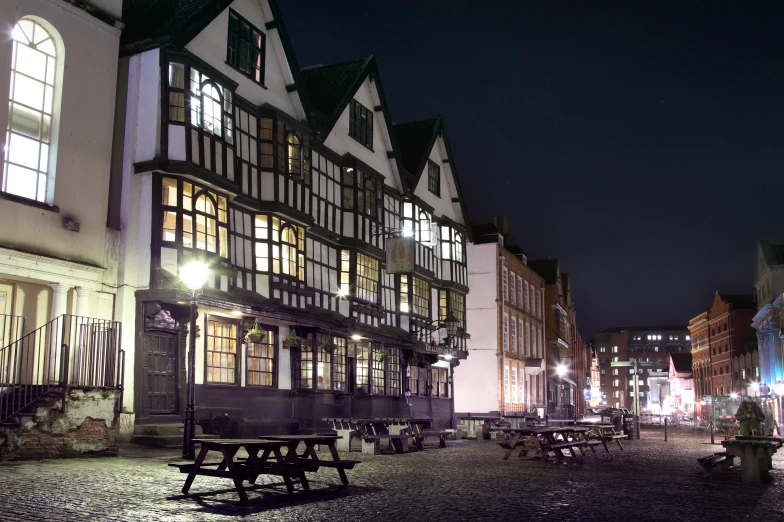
(412, 360)
(293, 339)
(255, 334)
(329, 345)
(382, 354)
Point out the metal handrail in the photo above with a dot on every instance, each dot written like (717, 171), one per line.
(67, 351)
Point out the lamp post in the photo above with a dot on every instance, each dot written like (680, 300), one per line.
(194, 275)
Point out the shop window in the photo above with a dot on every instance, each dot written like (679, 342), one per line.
(221, 352)
(261, 360)
(203, 217)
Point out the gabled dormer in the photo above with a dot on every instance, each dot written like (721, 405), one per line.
(350, 116)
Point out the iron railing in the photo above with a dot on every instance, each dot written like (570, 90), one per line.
(67, 351)
(12, 328)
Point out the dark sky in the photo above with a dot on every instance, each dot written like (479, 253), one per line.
(639, 142)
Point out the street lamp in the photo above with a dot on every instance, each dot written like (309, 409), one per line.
(560, 370)
(194, 275)
(755, 388)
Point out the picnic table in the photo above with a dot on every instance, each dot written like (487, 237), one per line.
(372, 431)
(310, 454)
(238, 470)
(544, 440)
(755, 453)
(472, 422)
(605, 433)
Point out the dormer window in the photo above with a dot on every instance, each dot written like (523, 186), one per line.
(360, 124)
(433, 178)
(245, 49)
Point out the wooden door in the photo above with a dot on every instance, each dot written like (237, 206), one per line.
(160, 351)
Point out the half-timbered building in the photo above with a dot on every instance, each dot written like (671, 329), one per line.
(294, 186)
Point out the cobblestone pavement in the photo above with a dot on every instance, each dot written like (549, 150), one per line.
(651, 480)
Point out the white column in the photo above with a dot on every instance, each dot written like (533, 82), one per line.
(59, 300)
(83, 301)
(59, 308)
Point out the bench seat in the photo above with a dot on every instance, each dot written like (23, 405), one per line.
(185, 467)
(442, 435)
(371, 443)
(343, 464)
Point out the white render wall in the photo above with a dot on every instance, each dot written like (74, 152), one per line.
(476, 379)
(340, 142)
(443, 205)
(210, 46)
(88, 54)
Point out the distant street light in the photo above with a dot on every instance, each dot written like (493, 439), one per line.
(560, 370)
(194, 275)
(733, 395)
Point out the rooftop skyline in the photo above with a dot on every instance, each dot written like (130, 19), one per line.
(633, 142)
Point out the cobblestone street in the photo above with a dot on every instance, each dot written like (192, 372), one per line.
(651, 480)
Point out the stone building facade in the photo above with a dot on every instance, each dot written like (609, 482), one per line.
(731, 335)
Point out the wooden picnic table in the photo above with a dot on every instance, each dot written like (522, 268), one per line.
(372, 431)
(311, 455)
(239, 470)
(543, 440)
(756, 455)
(605, 433)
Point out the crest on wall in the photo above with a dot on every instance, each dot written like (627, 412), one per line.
(161, 320)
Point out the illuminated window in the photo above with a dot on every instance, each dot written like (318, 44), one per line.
(211, 106)
(404, 293)
(345, 272)
(261, 360)
(28, 169)
(439, 381)
(424, 228)
(203, 217)
(293, 155)
(221, 352)
(176, 93)
(367, 278)
(420, 297)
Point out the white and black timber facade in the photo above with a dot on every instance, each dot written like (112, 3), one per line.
(288, 183)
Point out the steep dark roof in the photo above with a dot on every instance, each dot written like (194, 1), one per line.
(653, 328)
(739, 301)
(330, 88)
(152, 23)
(547, 268)
(681, 361)
(774, 254)
(415, 141)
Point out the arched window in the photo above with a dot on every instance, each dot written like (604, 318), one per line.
(294, 155)
(371, 202)
(28, 167)
(206, 231)
(288, 251)
(424, 227)
(211, 108)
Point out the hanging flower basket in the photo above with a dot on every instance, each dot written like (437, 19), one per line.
(383, 354)
(329, 346)
(255, 335)
(293, 340)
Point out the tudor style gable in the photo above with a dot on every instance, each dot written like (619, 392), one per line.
(350, 115)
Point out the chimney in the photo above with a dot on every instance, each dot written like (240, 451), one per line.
(502, 224)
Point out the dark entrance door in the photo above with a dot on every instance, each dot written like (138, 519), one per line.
(161, 366)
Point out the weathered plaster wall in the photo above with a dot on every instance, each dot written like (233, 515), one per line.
(88, 427)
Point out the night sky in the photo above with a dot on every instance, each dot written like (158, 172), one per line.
(641, 143)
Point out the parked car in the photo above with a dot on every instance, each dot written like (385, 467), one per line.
(599, 416)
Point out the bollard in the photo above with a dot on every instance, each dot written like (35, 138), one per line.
(711, 429)
(665, 429)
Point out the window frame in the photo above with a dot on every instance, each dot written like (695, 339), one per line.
(363, 291)
(232, 324)
(225, 100)
(361, 132)
(433, 178)
(44, 170)
(269, 329)
(234, 52)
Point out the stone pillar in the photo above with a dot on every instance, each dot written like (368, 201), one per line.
(59, 309)
(83, 301)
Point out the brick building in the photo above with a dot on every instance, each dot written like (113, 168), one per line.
(647, 344)
(731, 335)
(700, 353)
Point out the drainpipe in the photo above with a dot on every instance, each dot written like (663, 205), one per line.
(501, 346)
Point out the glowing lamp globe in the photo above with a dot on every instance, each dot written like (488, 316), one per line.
(194, 275)
(778, 388)
(560, 370)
